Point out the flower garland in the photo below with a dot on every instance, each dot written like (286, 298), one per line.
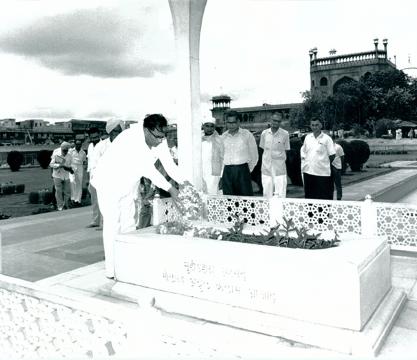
(190, 203)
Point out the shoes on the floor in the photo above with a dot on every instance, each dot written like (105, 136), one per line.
(92, 225)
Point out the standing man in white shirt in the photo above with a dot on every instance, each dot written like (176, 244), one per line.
(240, 157)
(131, 156)
(78, 159)
(61, 169)
(113, 128)
(275, 143)
(337, 169)
(212, 157)
(93, 157)
(317, 153)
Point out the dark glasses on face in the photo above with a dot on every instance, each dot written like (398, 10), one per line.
(157, 136)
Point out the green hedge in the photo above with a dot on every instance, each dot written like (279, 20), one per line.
(15, 160)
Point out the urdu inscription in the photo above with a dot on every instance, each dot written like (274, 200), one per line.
(208, 279)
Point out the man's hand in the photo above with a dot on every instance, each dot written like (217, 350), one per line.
(173, 192)
(68, 168)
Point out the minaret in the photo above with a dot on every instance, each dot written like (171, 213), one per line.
(221, 104)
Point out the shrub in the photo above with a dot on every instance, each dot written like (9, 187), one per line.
(360, 154)
(293, 162)
(347, 149)
(15, 160)
(381, 128)
(20, 188)
(44, 158)
(34, 197)
(8, 189)
(48, 197)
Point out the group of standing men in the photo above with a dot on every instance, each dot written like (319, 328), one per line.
(67, 165)
(230, 158)
(117, 165)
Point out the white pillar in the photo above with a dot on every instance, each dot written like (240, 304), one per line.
(369, 218)
(187, 16)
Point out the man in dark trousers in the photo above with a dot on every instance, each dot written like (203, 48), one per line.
(317, 153)
(240, 157)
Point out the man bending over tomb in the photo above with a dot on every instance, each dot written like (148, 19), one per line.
(131, 156)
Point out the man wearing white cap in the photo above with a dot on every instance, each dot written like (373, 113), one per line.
(131, 156)
(95, 151)
(113, 128)
(275, 142)
(61, 169)
(212, 156)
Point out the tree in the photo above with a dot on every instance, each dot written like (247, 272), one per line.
(388, 94)
(44, 158)
(15, 160)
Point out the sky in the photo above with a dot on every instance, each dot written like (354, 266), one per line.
(99, 59)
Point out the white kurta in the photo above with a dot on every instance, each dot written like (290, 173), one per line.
(76, 179)
(210, 182)
(116, 179)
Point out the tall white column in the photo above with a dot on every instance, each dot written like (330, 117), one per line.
(187, 16)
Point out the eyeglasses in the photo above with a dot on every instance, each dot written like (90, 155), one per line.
(159, 137)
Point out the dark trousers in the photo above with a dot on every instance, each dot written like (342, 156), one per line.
(318, 187)
(145, 216)
(337, 181)
(236, 180)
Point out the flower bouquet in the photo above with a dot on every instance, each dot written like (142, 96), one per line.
(190, 203)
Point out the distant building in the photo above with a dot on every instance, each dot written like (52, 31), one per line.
(253, 118)
(328, 73)
(32, 123)
(9, 123)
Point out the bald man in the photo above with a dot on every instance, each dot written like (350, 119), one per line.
(61, 169)
(275, 143)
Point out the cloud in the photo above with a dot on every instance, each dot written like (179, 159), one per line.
(101, 114)
(46, 113)
(96, 42)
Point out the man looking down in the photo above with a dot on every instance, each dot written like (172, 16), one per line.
(131, 156)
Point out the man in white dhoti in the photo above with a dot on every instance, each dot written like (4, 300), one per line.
(212, 157)
(275, 143)
(95, 151)
(78, 158)
(131, 156)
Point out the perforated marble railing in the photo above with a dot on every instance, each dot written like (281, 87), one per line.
(35, 324)
(398, 222)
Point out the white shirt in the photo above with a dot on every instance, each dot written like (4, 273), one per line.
(77, 157)
(206, 155)
(128, 159)
(240, 148)
(337, 162)
(315, 154)
(58, 159)
(275, 146)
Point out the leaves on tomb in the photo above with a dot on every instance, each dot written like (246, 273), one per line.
(282, 235)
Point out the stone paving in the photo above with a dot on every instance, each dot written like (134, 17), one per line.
(39, 246)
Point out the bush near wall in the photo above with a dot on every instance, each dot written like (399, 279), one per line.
(360, 153)
(44, 158)
(15, 160)
(44, 196)
(11, 188)
(293, 162)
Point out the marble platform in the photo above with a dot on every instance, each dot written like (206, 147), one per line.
(343, 292)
